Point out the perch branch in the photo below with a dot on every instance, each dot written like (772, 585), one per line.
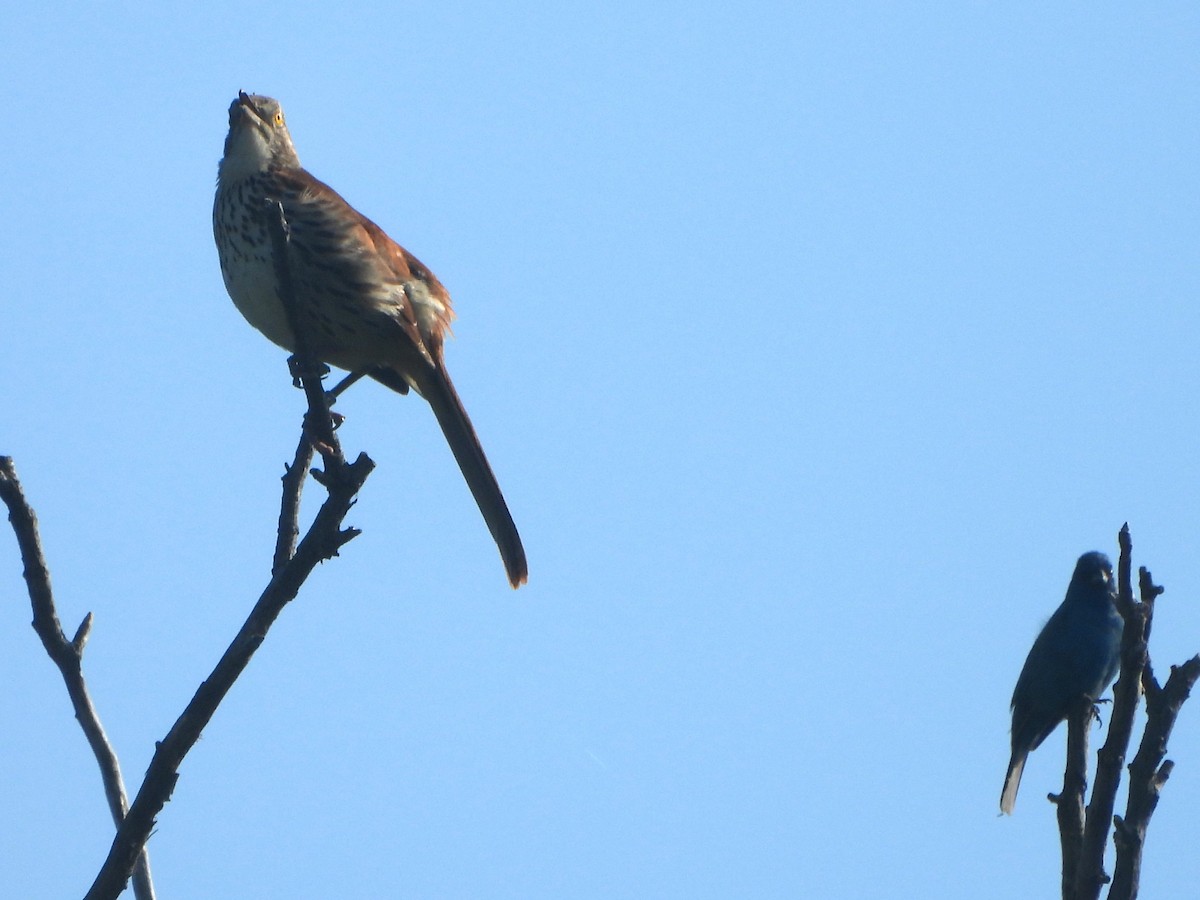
(1070, 803)
(324, 538)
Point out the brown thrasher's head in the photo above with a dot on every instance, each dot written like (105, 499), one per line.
(258, 138)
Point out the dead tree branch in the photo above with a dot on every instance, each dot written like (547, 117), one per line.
(68, 656)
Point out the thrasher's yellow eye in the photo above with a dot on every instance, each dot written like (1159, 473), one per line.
(278, 118)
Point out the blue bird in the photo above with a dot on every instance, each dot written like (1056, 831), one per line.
(1077, 653)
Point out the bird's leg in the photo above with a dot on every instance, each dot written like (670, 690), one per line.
(332, 395)
(297, 370)
(343, 384)
(320, 370)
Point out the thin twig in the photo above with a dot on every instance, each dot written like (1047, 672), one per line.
(289, 507)
(67, 655)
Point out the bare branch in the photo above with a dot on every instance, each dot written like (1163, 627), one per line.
(67, 655)
(322, 542)
(1149, 771)
(289, 508)
(1070, 802)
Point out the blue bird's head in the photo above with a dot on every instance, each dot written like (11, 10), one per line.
(1093, 571)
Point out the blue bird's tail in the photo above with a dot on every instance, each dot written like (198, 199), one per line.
(1012, 781)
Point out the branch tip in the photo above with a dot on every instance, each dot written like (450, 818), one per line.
(82, 633)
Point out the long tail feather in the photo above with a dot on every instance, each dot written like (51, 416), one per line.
(1012, 781)
(464, 444)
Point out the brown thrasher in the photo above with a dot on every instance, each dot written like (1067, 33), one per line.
(363, 302)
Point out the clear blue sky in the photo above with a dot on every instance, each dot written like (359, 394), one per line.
(811, 345)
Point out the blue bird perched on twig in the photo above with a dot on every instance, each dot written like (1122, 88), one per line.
(1077, 653)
